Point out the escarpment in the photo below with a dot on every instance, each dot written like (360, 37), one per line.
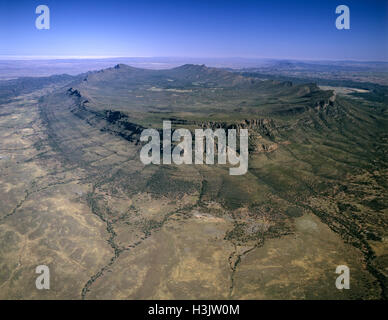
(114, 122)
(265, 134)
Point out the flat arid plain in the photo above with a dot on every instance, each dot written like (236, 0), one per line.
(74, 195)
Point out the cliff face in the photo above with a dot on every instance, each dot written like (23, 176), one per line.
(111, 121)
(325, 103)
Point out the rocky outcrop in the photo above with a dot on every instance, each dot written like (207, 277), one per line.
(114, 122)
(325, 103)
(264, 126)
(74, 92)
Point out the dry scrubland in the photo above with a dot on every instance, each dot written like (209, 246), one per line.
(75, 196)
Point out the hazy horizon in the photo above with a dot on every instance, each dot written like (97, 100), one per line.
(28, 58)
(198, 29)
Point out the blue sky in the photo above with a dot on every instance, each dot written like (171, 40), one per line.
(212, 28)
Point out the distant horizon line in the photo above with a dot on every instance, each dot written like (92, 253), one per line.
(76, 57)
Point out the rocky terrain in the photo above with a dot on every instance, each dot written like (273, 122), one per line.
(76, 197)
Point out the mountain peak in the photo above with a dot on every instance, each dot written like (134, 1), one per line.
(190, 66)
(120, 65)
(125, 67)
